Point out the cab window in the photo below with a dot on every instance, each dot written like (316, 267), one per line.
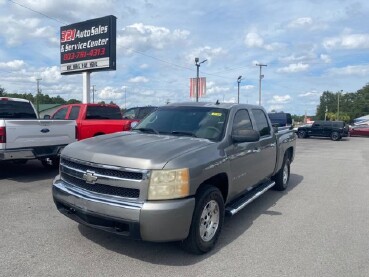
(261, 122)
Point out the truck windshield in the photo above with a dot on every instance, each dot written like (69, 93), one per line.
(16, 110)
(200, 122)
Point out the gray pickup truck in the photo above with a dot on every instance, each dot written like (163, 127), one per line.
(176, 174)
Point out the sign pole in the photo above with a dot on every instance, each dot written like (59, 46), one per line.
(86, 87)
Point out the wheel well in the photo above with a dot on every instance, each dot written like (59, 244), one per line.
(219, 181)
(98, 134)
(289, 153)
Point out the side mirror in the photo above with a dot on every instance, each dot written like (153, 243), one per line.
(275, 129)
(46, 116)
(245, 135)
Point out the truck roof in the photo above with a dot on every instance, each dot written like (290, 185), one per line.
(13, 99)
(210, 104)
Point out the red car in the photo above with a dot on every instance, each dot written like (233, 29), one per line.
(359, 130)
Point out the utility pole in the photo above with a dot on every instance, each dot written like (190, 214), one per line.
(37, 96)
(260, 77)
(197, 78)
(338, 105)
(238, 88)
(93, 93)
(325, 115)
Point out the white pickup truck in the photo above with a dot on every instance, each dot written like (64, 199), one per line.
(24, 137)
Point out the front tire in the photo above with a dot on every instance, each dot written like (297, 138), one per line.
(207, 221)
(335, 136)
(282, 178)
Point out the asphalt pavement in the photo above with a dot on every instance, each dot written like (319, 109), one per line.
(318, 227)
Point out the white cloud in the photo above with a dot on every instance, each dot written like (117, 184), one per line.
(309, 94)
(138, 79)
(351, 70)
(212, 88)
(207, 53)
(280, 99)
(14, 65)
(50, 74)
(347, 41)
(293, 68)
(325, 58)
(301, 22)
(247, 87)
(254, 40)
(18, 30)
(144, 66)
(110, 93)
(143, 37)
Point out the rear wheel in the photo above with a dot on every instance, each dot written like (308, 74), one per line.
(283, 176)
(335, 136)
(207, 221)
(302, 134)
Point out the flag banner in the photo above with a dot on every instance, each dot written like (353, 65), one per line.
(202, 87)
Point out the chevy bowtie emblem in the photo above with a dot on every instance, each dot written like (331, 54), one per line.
(89, 177)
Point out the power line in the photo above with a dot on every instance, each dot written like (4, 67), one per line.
(23, 6)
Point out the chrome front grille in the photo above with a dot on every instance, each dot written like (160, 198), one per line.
(103, 171)
(102, 179)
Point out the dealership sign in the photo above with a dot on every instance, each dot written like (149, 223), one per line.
(88, 45)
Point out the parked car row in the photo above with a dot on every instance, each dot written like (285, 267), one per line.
(23, 136)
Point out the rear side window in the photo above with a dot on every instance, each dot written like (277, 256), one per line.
(73, 115)
(143, 112)
(61, 113)
(261, 122)
(103, 112)
(338, 124)
(16, 110)
(130, 113)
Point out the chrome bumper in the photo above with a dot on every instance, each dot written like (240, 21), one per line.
(150, 221)
(30, 153)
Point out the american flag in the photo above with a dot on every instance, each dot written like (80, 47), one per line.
(202, 87)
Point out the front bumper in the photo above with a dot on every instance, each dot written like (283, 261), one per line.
(168, 220)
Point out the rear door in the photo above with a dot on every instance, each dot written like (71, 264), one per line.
(266, 161)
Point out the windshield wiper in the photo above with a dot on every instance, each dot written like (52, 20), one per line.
(147, 130)
(186, 133)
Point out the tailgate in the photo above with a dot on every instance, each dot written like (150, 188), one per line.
(33, 133)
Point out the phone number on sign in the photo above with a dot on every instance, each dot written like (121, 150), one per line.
(84, 54)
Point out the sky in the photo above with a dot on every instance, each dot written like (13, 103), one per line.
(309, 47)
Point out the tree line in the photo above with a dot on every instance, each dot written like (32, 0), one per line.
(340, 105)
(43, 98)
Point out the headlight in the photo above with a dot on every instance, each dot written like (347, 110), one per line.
(169, 184)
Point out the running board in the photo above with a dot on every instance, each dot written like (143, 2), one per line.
(240, 203)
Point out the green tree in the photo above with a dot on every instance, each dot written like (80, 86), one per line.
(2, 91)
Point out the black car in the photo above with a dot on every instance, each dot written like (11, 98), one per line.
(333, 129)
(138, 113)
(280, 119)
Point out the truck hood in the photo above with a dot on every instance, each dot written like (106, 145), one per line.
(134, 150)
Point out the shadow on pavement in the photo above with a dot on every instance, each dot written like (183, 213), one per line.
(31, 171)
(170, 253)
